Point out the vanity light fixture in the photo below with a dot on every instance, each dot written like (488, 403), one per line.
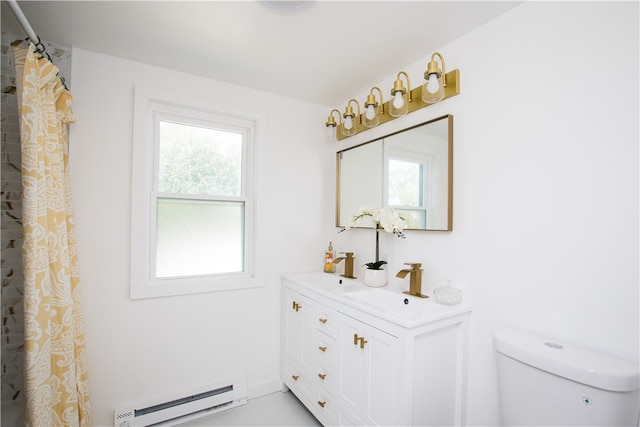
(371, 113)
(399, 105)
(349, 125)
(331, 125)
(434, 81)
(438, 85)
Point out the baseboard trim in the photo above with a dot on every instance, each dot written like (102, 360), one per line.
(263, 388)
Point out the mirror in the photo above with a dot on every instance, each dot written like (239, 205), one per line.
(410, 171)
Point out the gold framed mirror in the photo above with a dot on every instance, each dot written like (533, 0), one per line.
(410, 170)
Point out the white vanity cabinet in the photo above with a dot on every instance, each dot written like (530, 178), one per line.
(352, 366)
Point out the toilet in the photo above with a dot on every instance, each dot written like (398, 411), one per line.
(543, 382)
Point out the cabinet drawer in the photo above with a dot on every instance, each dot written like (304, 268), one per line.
(327, 321)
(327, 378)
(297, 379)
(326, 350)
(326, 406)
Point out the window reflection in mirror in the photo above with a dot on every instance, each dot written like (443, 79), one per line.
(410, 171)
(405, 184)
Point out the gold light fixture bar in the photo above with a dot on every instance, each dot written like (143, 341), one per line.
(451, 89)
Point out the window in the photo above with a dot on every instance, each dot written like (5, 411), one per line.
(193, 198)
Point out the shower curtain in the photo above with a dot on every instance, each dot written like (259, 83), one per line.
(56, 381)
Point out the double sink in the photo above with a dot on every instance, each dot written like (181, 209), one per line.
(386, 302)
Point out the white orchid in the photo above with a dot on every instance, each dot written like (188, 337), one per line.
(388, 219)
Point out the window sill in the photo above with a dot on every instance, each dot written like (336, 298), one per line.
(187, 286)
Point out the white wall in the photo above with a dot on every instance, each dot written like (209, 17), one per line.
(545, 228)
(545, 231)
(141, 349)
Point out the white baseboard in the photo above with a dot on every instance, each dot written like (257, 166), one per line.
(262, 389)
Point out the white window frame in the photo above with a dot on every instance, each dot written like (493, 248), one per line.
(149, 104)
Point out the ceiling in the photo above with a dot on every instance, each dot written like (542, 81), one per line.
(318, 51)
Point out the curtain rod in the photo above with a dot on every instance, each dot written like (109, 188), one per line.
(23, 21)
(33, 37)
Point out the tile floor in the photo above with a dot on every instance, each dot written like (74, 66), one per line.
(276, 409)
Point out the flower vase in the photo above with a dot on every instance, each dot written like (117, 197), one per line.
(375, 278)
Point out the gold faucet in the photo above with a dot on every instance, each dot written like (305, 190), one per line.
(415, 280)
(348, 264)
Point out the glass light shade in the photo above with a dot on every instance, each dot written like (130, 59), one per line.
(331, 133)
(433, 89)
(348, 126)
(371, 117)
(399, 105)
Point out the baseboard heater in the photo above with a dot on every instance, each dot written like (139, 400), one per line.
(182, 407)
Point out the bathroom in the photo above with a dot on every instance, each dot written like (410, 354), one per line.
(545, 209)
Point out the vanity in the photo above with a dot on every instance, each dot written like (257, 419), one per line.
(361, 356)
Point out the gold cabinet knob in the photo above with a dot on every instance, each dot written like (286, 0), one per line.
(322, 348)
(323, 320)
(295, 377)
(322, 376)
(321, 403)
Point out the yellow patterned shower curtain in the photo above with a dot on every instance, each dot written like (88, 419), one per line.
(56, 381)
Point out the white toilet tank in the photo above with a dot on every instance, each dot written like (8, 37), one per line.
(543, 382)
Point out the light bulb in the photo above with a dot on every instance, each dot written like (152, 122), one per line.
(348, 123)
(432, 84)
(398, 100)
(370, 113)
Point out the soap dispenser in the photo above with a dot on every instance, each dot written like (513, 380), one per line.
(329, 257)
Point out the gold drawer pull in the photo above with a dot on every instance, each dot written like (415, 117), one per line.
(322, 376)
(322, 348)
(295, 377)
(321, 403)
(323, 320)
